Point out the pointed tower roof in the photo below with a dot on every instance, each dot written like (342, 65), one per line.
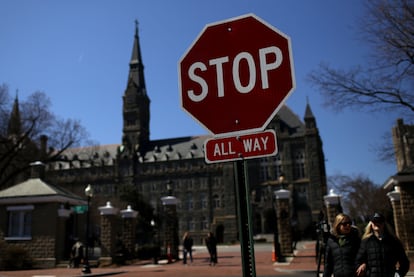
(136, 67)
(15, 123)
(310, 120)
(308, 111)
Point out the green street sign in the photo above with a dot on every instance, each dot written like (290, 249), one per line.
(80, 209)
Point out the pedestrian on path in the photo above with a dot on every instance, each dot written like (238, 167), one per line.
(76, 254)
(211, 244)
(341, 248)
(381, 251)
(187, 247)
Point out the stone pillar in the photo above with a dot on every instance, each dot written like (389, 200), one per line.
(395, 197)
(128, 231)
(282, 197)
(407, 218)
(402, 222)
(333, 206)
(171, 241)
(108, 233)
(62, 243)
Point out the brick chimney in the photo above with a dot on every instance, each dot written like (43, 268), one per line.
(37, 170)
(43, 146)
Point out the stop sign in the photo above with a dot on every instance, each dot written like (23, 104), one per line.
(236, 74)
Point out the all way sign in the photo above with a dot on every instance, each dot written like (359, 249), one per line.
(254, 145)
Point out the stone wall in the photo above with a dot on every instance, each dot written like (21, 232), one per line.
(407, 219)
(41, 249)
(284, 226)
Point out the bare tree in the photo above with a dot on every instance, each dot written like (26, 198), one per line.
(360, 196)
(5, 105)
(386, 81)
(36, 122)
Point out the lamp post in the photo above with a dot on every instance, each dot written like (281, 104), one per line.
(155, 241)
(170, 230)
(89, 194)
(276, 243)
(333, 205)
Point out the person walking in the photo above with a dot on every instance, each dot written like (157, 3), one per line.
(211, 244)
(76, 254)
(381, 251)
(341, 248)
(187, 247)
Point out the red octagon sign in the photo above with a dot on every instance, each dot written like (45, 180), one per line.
(236, 74)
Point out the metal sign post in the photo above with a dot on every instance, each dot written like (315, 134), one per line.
(245, 219)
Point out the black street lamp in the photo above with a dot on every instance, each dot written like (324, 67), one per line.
(89, 194)
(276, 243)
(155, 241)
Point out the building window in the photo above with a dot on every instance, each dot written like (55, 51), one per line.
(216, 182)
(216, 201)
(204, 202)
(204, 223)
(270, 168)
(203, 183)
(264, 171)
(277, 166)
(299, 165)
(191, 224)
(190, 202)
(19, 222)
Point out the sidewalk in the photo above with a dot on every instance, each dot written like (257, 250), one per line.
(229, 264)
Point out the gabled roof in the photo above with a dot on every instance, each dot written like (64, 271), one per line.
(292, 121)
(35, 190)
(290, 118)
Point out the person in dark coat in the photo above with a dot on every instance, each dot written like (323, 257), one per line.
(381, 251)
(211, 244)
(341, 248)
(76, 254)
(187, 247)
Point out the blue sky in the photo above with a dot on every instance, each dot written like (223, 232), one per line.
(77, 52)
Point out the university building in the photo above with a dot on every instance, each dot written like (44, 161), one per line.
(205, 193)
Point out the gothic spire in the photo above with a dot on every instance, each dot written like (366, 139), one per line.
(309, 118)
(136, 67)
(308, 111)
(136, 110)
(15, 123)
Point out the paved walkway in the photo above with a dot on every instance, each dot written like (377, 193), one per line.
(229, 264)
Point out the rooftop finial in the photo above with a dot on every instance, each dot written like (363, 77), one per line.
(136, 27)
